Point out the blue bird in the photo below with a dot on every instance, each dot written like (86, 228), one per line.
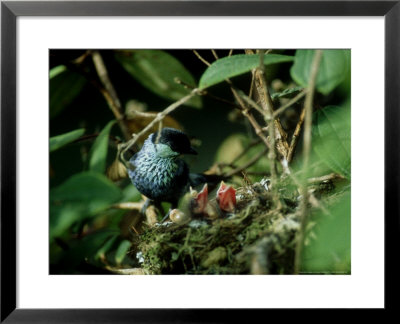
(159, 173)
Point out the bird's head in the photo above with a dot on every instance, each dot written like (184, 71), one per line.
(171, 143)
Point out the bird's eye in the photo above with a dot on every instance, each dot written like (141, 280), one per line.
(175, 139)
(175, 147)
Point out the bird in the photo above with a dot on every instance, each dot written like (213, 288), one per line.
(159, 173)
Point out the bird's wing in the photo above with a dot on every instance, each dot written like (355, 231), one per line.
(196, 179)
(134, 157)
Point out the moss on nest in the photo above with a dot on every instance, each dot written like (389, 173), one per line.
(259, 238)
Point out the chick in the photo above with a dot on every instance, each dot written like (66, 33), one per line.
(159, 173)
(197, 205)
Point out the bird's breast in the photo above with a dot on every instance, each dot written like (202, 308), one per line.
(159, 178)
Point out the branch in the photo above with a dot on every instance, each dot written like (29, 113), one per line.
(215, 54)
(295, 136)
(245, 150)
(243, 108)
(306, 157)
(206, 93)
(245, 111)
(251, 102)
(247, 164)
(201, 58)
(266, 104)
(280, 135)
(123, 148)
(109, 93)
(331, 176)
(129, 205)
(289, 103)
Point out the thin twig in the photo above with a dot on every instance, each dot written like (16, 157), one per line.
(82, 58)
(201, 58)
(109, 93)
(232, 164)
(143, 114)
(244, 108)
(251, 90)
(246, 149)
(206, 93)
(215, 54)
(262, 88)
(247, 164)
(159, 132)
(252, 103)
(245, 111)
(306, 157)
(317, 204)
(129, 205)
(295, 136)
(123, 148)
(114, 139)
(331, 176)
(259, 173)
(308, 106)
(290, 103)
(250, 95)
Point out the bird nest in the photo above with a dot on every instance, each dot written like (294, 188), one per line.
(257, 238)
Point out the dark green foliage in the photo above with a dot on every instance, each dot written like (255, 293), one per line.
(88, 234)
(59, 141)
(83, 195)
(332, 138)
(235, 65)
(328, 250)
(334, 67)
(65, 85)
(157, 71)
(98, 152)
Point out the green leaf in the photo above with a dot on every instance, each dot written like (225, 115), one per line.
(122, 251)
(57, 70)
(65, 85)
(333, 69)
(332, 138)
(88, 187)
(98, 152)
(156, 70)
(106, 246)
(329, 248)
(60, 140)
(85, 250)
(235, 65)
(287, 93)
(81, 196)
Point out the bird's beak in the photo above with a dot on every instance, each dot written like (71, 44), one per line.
(192, 151)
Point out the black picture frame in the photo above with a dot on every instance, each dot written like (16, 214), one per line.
(10, 10)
